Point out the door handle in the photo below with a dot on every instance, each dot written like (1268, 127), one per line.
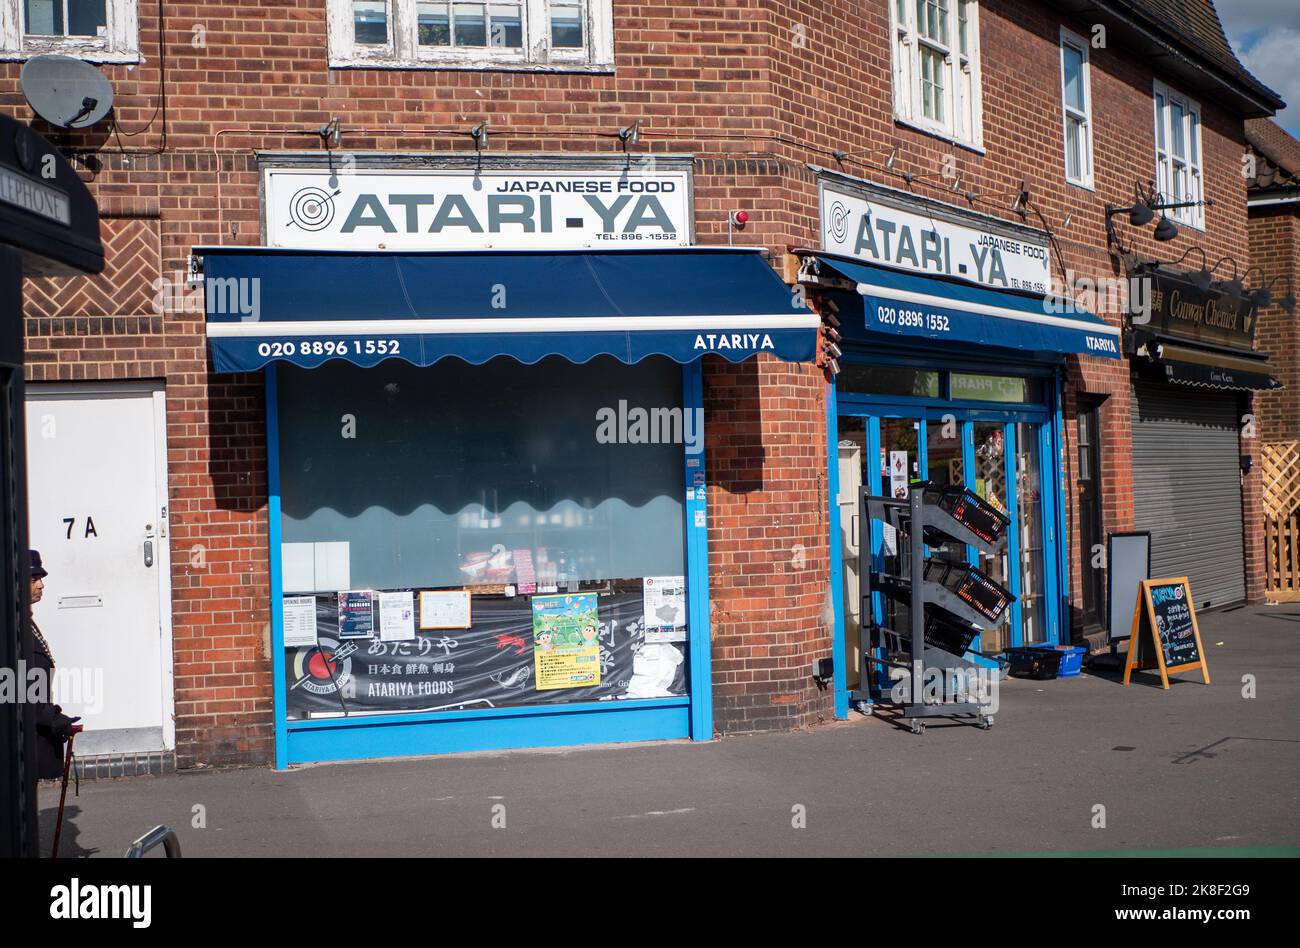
(148, 552)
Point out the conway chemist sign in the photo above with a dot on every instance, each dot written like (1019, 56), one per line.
(441, 210)
(892, 237)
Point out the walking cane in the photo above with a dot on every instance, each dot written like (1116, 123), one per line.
(63, 794)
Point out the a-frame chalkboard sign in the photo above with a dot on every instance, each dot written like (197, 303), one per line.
(1165, 634)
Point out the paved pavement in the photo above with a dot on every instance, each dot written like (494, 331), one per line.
(1193, 768)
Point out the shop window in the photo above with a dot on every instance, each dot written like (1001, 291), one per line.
(94, 30)
(1179, 174)
(550, 494)
(937, 67)
(888, 380)
(965, 386)
(456, 34)
(1076, 106)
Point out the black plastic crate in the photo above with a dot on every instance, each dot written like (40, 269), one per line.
(972, 586)
(948, 635)
(1036, 663)
(970, 510)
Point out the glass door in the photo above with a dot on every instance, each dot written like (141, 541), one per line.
(1029, 527)
(901, 462)
(990, 483)
(851, 452)
(996, 455)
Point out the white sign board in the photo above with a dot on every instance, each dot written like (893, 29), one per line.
(299, 621)
(350, 209)
(884, 235)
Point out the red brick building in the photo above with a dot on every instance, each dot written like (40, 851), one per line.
(1274, 201)
(1015, 123)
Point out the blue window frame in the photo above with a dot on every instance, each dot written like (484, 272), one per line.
(365, 735)
(1044, 424)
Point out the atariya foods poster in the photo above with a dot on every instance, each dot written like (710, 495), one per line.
(492, 664)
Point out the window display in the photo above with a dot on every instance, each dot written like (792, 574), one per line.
(533, 541)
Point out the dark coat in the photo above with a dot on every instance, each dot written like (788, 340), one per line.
(51, 723)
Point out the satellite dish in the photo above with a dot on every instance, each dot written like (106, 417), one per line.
(66, 92)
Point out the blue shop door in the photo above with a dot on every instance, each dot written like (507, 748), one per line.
(995, 455)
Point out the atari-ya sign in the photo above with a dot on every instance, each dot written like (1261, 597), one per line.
(879, 233)
(350, 209)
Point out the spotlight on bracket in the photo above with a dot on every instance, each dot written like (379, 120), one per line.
(631, 135)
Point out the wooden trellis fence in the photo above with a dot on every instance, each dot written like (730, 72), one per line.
(1280, 463)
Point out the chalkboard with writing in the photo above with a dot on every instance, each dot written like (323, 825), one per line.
(1165, 634)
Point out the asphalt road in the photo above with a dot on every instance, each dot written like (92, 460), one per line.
(1194, 768)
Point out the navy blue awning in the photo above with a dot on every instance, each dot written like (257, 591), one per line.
(265, 304)
(916, 307)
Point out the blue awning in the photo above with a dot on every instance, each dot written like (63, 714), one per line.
(915, 307)
(265, 304)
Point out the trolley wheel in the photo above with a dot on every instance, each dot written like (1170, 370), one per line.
(986, 723)
(917, 725)
(862, 707)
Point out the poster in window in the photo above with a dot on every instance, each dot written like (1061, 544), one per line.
(487, 666)
(299, 621)
(397, 616)
(898, 474)
(356, 614)
(665, 608)
(445, 610)
(566, 641)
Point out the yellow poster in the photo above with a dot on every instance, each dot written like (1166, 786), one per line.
(566, 641)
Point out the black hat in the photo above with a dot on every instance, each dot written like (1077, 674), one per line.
(38, 571)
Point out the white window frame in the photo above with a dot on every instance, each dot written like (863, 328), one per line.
(962, 99)
(403, 50)
(119, 43)
(1073, 41)
(1186, 171)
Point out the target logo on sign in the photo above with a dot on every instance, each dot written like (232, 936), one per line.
(839, 217)
(312, 209)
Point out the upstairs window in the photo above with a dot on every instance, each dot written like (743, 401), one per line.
(1076, 106)
(95, 30)
(936, 67)
(540, 34)
(1179, 174)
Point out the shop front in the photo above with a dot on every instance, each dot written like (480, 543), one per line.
(487, 468)
(951, 371)
(1194, 368)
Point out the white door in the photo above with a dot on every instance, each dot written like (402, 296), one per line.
(96, 486)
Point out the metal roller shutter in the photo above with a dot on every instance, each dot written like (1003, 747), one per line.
(1187, 488)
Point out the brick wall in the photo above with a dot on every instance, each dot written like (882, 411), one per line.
(754, 89)
(1275, 248)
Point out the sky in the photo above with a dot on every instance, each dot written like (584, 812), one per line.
(1265, 34)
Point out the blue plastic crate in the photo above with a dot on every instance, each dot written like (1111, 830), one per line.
(1071, 659)
(1045, 661)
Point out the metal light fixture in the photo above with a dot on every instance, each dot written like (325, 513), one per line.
(1139, 215)
(1202, 278)
(1263, 295)
(480, 135)
(1144, 209)
(630, 135)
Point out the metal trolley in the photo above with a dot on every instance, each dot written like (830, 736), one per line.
(949, 602)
